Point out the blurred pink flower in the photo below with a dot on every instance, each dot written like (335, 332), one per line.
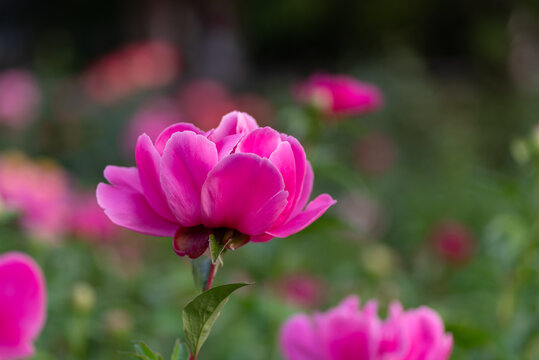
(375, 153)
(349, 332)
(132, 68)
(414, 334)
(204, 101)
(22, 305)
(151, 119)
(339, 95)
(453, 242)
(251, 183)
(260, 108)
(301, 289)
(20, 98)
(39, 192)
(88, 220)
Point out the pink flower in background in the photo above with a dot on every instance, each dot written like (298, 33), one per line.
(343, 333)
(301, 289)
(88, 220)
(20, 98)
(204, 101)
(132, 68)
(376, 153)
(253, 181)
(151, 119)
(152, 64)
(39, 192)
(453, 241)
(339, 95)
(349, 332)
(414, 334)
(22, 305)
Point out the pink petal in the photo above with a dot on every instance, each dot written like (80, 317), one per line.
(22, 350)
(232, 123)
(191, 241)
(262, 142)
(131, 210)
(302, 166)
(227, 144)
(283, 159)
(298, 339)
(243, 192)
(261, 238)
(314, 210)
(123, 176)
(186, 161)
(306, 189)
(148, 164)
(22, 304)
(165, 135)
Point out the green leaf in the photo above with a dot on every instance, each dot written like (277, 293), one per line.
(201, 268)
(200, 314)
(216, 248)
(179, 352)
(143, 351)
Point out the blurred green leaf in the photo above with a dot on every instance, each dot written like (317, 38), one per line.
(200, 314)
(143, 351)
(179, 352)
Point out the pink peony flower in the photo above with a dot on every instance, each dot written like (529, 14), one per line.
(301, 289)
(22, 305)
(238, 180)
(349, 332)
(453, 242)
(88, 220)
(39, 192)
(20, 98)
(339, 95)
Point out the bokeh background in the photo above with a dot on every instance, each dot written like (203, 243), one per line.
(438, 190)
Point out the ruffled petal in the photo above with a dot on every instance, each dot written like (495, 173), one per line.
(232, 123)
(185, 164)
(243, 192)
(314, 210)
(131, 210)
(262, 142)
(165, 135)
(148, 164)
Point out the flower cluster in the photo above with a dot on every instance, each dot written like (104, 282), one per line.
(349, 332)
(239, 179)
(38, 192)
(134, 67)
(22, 305)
